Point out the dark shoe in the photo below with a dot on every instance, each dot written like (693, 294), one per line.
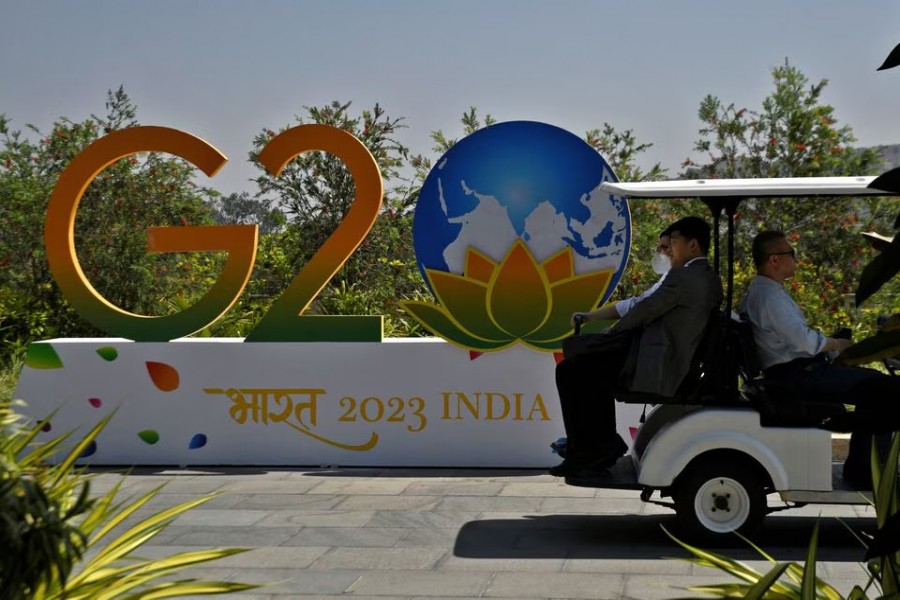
(610, 452)
(574, 463)
(603, 457)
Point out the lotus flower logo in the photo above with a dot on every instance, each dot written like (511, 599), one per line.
(492, 306)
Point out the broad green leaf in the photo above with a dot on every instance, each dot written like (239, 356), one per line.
(887, 539)
(857, 593)
(808, 585)
(726, 564)
(880, 269)
(889, 181)
(766, 582)
(62, 470)
(890, 585)
(193, 589)
(22, 442)
(144, 530)
(724, 590)
(884, 344)
(885, 486)
(757, 548)
(123, 513)
(101, 509)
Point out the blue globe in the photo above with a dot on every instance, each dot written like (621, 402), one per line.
(526, 180)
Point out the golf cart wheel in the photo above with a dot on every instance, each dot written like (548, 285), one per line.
(718, 496)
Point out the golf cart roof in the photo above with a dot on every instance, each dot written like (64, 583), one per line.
(724, 195)
(746, 188)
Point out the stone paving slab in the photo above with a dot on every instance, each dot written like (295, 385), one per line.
(354, 537)
(422, 583)
(556, 585)
(453, 533)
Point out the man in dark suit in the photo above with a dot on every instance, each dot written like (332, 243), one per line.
(666, 329)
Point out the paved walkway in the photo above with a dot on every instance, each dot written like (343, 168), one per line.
(432, 533)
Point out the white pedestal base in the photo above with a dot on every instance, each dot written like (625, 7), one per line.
(214, 401)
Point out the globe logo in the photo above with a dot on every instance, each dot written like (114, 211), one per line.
(513, 235)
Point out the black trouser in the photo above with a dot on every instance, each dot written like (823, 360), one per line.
(875, 395)
(585, 386)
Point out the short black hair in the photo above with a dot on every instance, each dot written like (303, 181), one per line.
(762, 246)
(692, 228)
(666, 232)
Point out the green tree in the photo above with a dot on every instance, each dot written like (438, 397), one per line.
(244, 209)
(795, 134)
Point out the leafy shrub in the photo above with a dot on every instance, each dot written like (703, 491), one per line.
(48, 522)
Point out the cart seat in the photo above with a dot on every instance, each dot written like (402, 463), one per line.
(776, 403)
(707, 382)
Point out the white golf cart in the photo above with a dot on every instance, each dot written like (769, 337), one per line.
(728, 439)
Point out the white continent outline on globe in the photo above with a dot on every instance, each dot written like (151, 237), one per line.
(488, 229)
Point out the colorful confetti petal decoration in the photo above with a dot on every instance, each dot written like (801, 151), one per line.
(164, 376)
(150, 436)
(95, 402)
(108, 353)
(46, 427)
(90, 450)
(198, 441)
(42, 356)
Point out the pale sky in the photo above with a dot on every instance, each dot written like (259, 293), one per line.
(224, 69)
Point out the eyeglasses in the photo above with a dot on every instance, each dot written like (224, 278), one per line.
(792, 252)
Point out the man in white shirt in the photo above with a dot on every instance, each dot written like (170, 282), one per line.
(661, 263)
(793, 353)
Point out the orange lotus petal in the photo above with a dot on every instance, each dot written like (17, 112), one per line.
(465, 301)
(559, 266)
(578, 294)
(164, 376)
(478, 266)
(518, 299)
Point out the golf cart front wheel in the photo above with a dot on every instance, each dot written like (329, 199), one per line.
(716, 498)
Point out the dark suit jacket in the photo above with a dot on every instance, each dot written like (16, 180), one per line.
(671, 323)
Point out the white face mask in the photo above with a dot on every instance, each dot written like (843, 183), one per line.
(661, 263)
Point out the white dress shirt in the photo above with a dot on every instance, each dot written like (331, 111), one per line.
(780, 330)
(623, 307)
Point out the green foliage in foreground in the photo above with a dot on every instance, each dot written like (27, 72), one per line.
(792, 580)
(49, 522)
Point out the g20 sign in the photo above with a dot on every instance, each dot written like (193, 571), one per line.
(511, 233)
